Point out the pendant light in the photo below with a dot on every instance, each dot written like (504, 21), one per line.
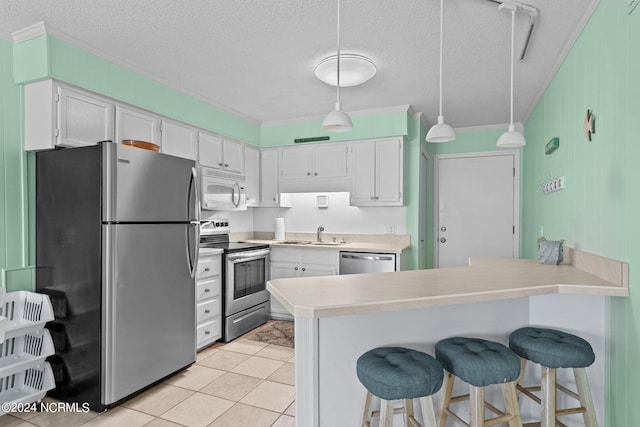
(512, 138)
(337, 120)
(441, 132)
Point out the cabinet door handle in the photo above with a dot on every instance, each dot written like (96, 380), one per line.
(295, 268)
(207, 290)
(308, 173)
(207, 269)
(207, 311)
(226, 165)
(274, 199)
(304, 269)
(315, 173)
(220, 164)
(207, 332)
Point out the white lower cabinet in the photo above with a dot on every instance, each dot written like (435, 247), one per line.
(302, 262)
(208, 299)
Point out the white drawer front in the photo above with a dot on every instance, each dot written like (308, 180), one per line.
(206, 289)
(207, 310)
(208, 332)
(209, 266)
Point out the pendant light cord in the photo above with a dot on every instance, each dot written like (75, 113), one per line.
(441, 31)
(338, 58)
(513, 20)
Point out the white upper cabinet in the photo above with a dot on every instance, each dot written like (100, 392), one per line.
(222, 154)
(252, 168)
(233, 155)
(140, 125)
(318, 167)
(210, 150)
(179, 140)
(330, 161)
(269, 192)
(377, 173)
(58, 115)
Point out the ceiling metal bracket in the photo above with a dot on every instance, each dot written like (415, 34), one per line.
(521, 7)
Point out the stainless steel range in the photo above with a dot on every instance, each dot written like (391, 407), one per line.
(245, 272)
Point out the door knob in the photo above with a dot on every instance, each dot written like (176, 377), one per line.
(442, 240)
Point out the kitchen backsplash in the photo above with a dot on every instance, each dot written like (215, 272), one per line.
(305, 216)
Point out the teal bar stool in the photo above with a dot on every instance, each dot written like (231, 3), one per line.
(480, 363)
(553, 349)
(398, 373)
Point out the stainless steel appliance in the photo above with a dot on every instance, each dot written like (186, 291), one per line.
(245, 272)
(366, 262)
(117, 235)
(222, 191)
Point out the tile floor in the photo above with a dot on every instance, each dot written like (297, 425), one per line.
(243, 383)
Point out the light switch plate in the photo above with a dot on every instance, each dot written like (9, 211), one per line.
(632, 5)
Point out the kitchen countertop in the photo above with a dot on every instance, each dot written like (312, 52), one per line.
(484, 279)
(388, 247)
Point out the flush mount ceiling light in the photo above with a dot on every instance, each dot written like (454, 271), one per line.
(441, 132)
(337, 120)
(354, 70)
(512, 138)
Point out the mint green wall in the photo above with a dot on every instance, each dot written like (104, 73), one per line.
(14, 247)
(364, 127)
(597, 212)
(48, 57)
(470, 142)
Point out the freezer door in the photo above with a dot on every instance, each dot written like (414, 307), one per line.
(145, 186)
(148, 306)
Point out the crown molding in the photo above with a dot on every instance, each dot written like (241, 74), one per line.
(31, 32)
(41, 28)
(359, 113)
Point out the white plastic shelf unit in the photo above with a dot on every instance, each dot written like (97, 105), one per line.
(25, 377)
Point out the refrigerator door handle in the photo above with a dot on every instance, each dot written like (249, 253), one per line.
(193, 263)
(193, 187)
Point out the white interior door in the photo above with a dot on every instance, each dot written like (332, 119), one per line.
(477, 207)
(422, 209)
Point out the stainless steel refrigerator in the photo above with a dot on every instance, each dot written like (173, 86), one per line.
(117, 236)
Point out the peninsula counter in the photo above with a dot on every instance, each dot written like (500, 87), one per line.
(340, 317)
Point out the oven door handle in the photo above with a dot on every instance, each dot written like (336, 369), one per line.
(247, 256)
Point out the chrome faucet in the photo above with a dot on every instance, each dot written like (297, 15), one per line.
(319, 233)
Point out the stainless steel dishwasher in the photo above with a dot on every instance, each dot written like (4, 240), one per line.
(366, 262)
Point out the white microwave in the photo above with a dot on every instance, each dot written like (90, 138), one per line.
(222, 191)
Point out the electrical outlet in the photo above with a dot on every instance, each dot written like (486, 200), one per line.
(631, 4)
(389, 229)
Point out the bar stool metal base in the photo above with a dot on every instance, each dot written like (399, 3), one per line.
(387, 411)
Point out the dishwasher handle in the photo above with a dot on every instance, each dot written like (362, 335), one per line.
(368, 257)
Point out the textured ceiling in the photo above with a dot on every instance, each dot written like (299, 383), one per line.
(256, 57)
